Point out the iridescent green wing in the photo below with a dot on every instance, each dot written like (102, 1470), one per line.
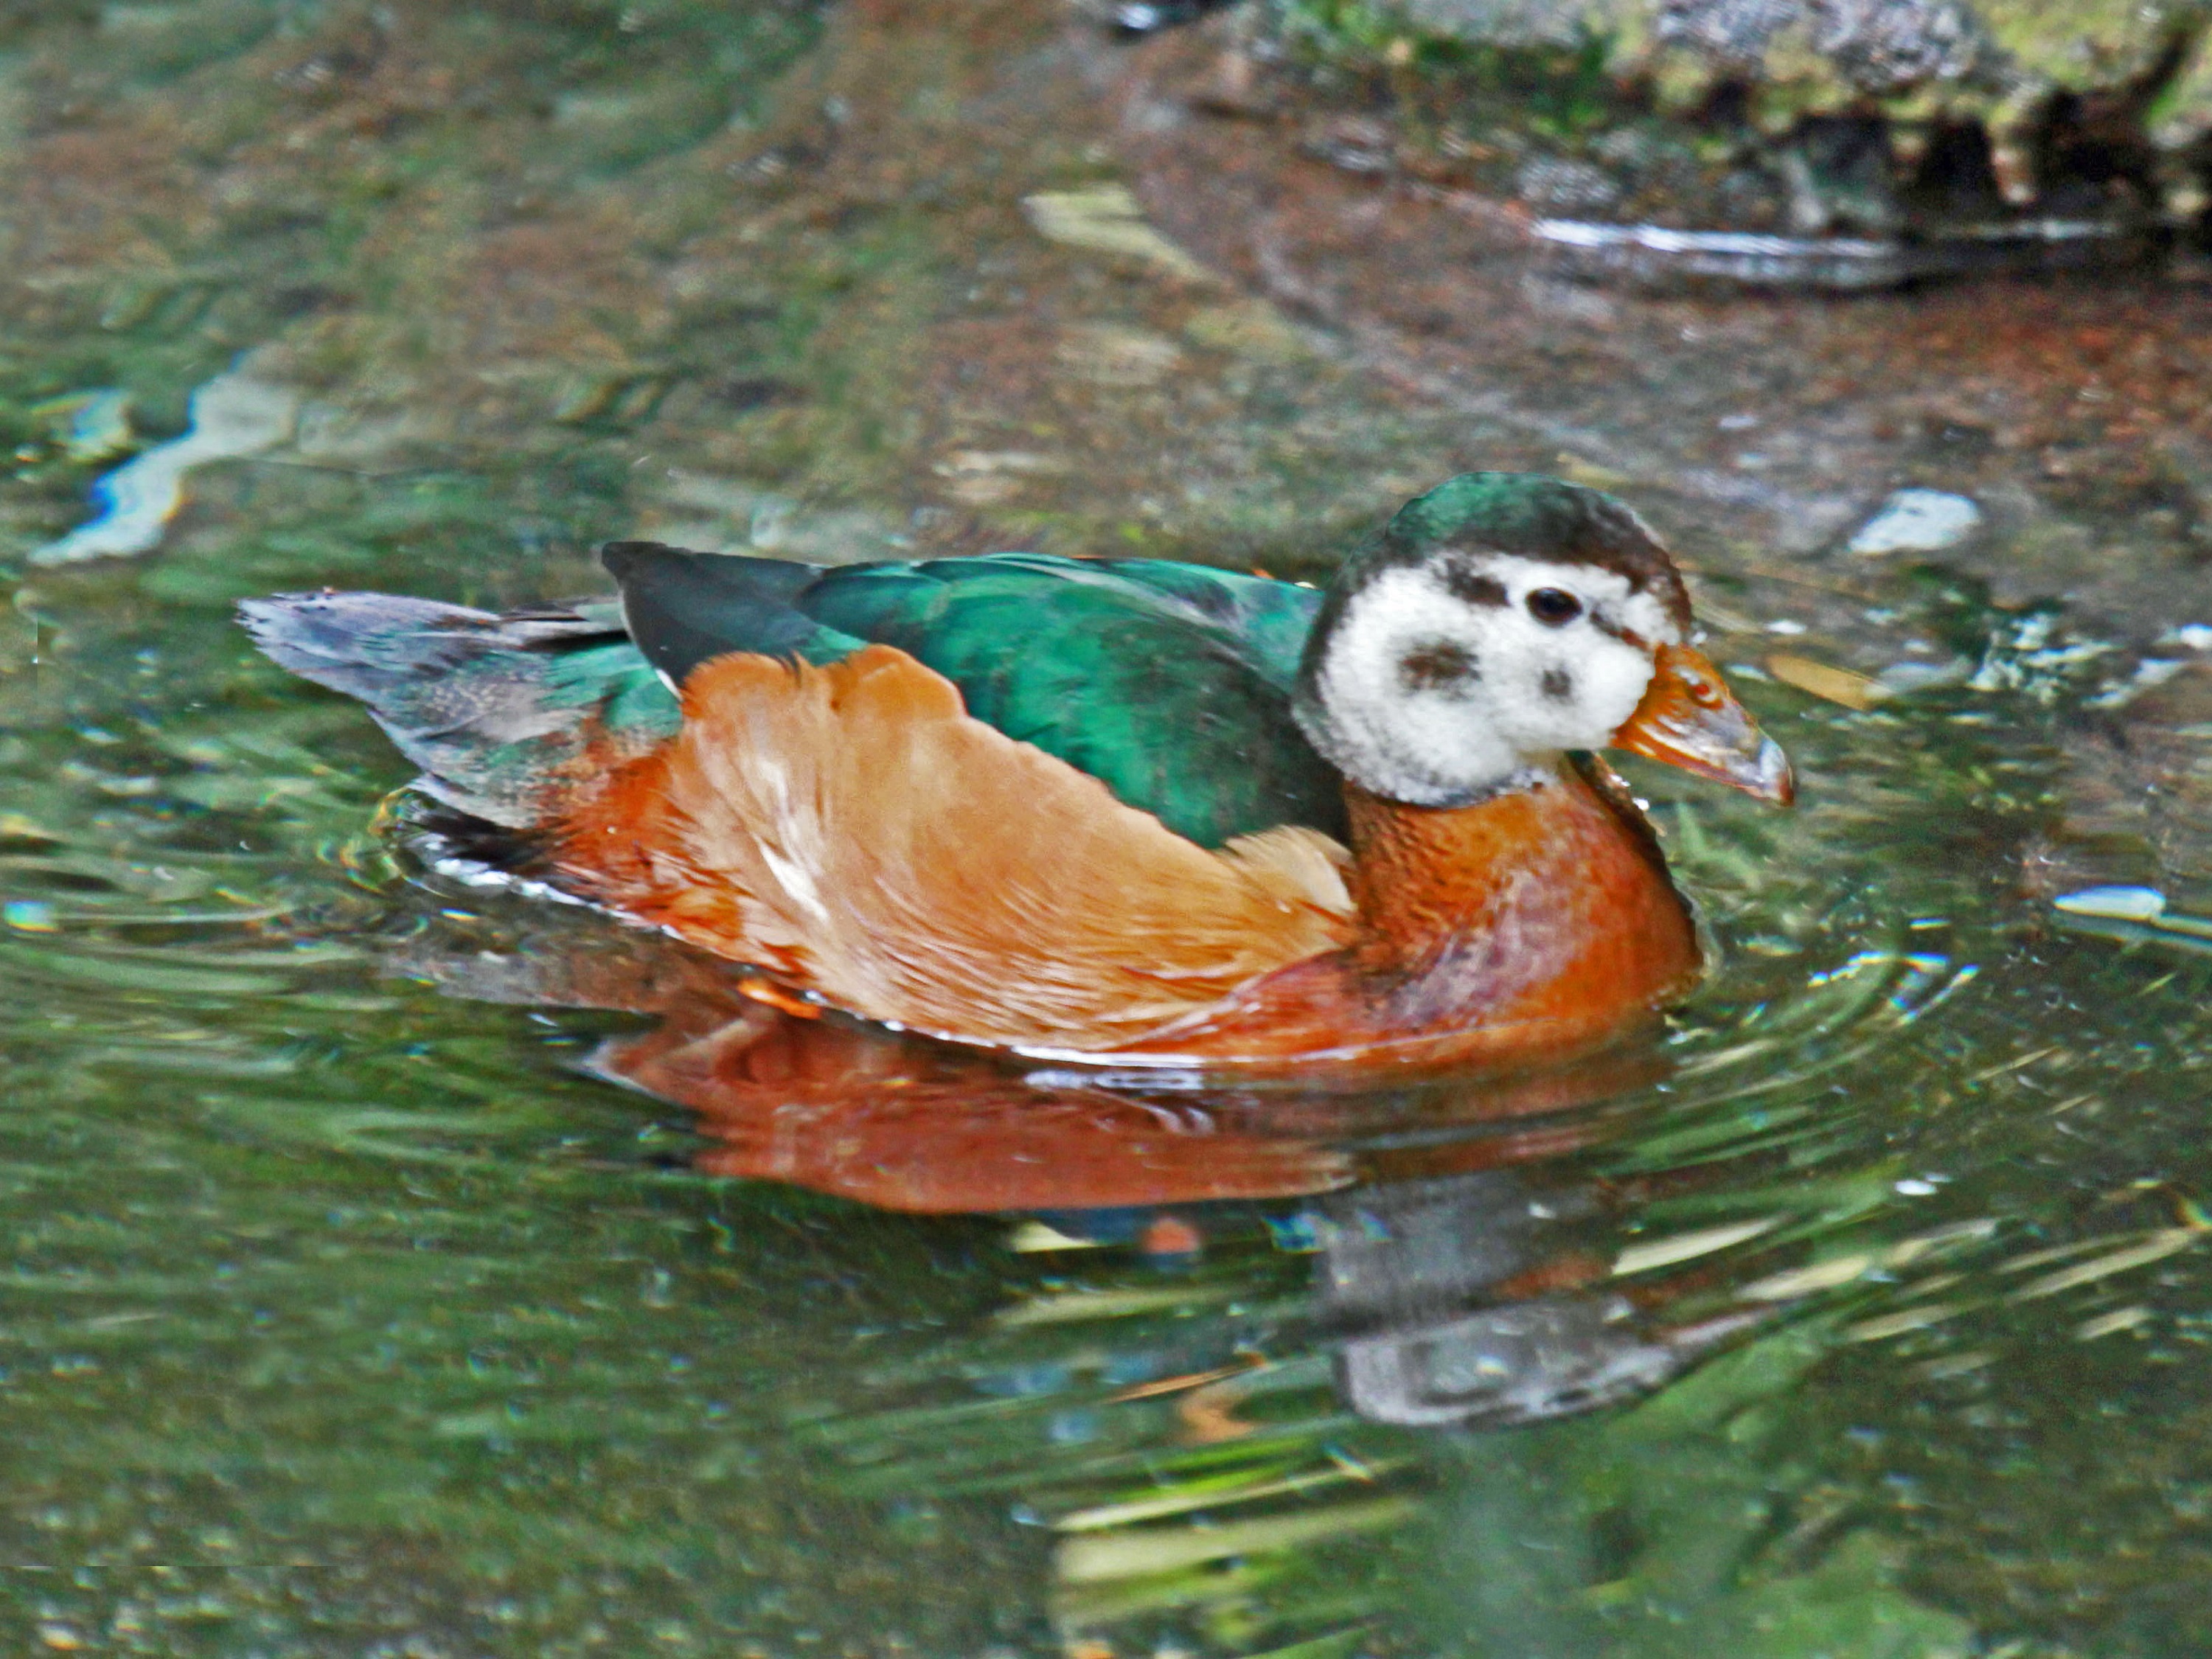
(1170, 682)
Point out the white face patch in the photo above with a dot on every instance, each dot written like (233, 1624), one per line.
(1441, 682)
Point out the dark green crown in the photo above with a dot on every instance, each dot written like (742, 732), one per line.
(1533, 516)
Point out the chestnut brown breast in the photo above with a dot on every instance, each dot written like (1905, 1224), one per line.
(1538, 921)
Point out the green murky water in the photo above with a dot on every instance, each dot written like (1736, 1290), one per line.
(344, 1312)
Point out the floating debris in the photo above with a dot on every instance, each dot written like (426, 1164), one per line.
(1106, 219)
(1255, 331)
(1088, 1558)
(1643, 1256)
(1215, 1495)
(232, 415)
(2133, 916)
(1897, 1324)
(2156, 1247)
(2114, 904)
(1805, 1281)
(1916, 521)
(1032, 1237)
(1829, 683)
(2111, 1324)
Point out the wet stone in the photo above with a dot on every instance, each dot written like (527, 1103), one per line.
(1916, 521)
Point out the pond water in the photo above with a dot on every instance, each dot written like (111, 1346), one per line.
(387, 1266)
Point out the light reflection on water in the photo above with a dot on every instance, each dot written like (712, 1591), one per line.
(394, 1268)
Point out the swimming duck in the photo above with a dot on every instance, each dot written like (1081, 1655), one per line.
(1128, 812)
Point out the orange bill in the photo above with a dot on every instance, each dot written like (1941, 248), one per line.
(1690, 718)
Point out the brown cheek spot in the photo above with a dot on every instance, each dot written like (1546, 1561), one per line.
(1439, 666)
(1557, 684)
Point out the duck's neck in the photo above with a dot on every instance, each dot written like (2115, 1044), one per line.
(1550, 894)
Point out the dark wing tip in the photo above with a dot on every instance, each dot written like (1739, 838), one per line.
(682, 606)
(623, 560)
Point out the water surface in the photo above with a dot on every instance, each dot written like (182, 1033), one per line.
(358, 1296)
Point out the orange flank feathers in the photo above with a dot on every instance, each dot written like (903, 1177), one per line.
(853, 830)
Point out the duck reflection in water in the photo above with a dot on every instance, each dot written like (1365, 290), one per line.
(1455, 1279)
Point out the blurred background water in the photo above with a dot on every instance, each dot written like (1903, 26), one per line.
(351, 1303)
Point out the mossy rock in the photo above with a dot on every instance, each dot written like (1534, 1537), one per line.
(1980, 132)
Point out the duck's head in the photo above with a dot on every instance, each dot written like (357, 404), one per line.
(1502, 619)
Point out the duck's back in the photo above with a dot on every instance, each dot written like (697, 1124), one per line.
(1169, 683)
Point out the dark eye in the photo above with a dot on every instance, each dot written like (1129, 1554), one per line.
(1554, 607)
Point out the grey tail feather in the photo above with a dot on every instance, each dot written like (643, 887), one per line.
(488, 706)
